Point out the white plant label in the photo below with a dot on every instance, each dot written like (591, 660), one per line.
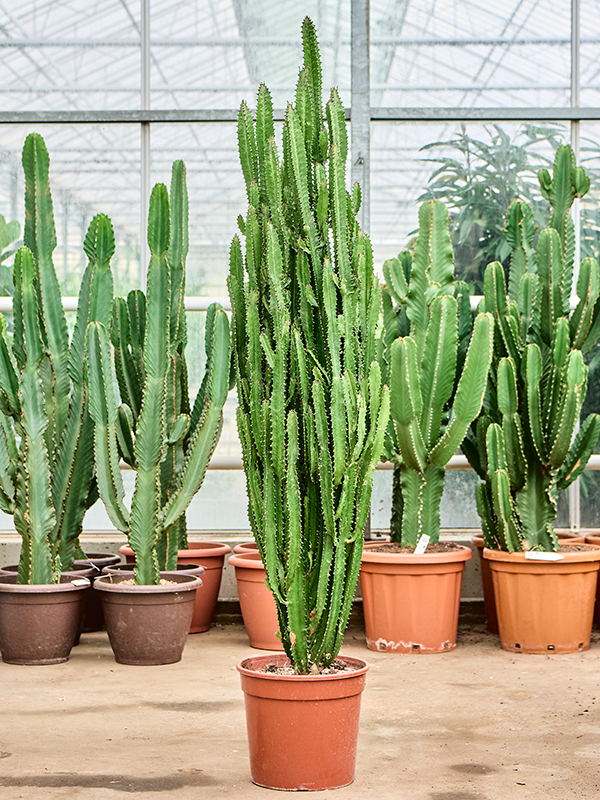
(422, 545)
(80, 582)
(536, 555)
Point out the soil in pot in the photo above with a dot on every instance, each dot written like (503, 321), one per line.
(256, 601)
(211, 556)
(545, 607)
(148, 625)
(411, 602)
(39, 623)
(302, 729)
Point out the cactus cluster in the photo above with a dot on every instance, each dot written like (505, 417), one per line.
(312, 405)
(522, 445)
(166, 442)
(46, 434)
(436, 363)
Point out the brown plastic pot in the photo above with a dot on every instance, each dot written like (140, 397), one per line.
(256, 601)
(411, 602)
(148, 625)
(302, 729)
(93, 618)
(39, 622)
(211, 556)
(545, 606)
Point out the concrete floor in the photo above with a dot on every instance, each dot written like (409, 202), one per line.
(470, 724)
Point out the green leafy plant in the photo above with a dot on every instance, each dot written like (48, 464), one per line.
(10, 242)
(312, 406)
(522, 445)
(478, 180)
(436, 363)
(168, 445)
(46, 435)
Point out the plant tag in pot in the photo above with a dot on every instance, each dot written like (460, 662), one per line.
(422, 545)
(536, 555)
(80, 582)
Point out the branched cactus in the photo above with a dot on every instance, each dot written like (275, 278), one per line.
(436, 362)
(168, 446)
(522, 445)
(312, 405)
(46, 434)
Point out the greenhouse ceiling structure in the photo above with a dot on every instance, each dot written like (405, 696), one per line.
(121, 88)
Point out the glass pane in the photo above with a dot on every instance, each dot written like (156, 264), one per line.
(93, 169)
(476, 169)
(589, 53)
(69, 55)
(470, 53)
(215, 54)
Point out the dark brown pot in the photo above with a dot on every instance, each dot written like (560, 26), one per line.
(256, 601)
(411, 602)
(39, 622)
(93, 618)
(211, 556)
(545, 606)
(148, 625)
(302, 729)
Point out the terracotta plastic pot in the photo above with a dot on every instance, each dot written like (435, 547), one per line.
(302, 729)
(148, 625)
(246, 547)
(545, 606)
(594, 538)
(39, 622)
(211, 556)
(411, 602)
(93, 618)
(256, 601)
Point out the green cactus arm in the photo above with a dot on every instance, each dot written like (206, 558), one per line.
(40, 236)
(594, 332)
(438, 366)
(128, 374)
(407, 403)
(247, 148)
(337, 189)
(537, 508)
(582, 448)
(563, 425)
(502, 504)
(533, 377)
(528, 287)
(125, 436)
(7, 471)
(486, 516)
(103, 411)
(519, 232)
(395, 280)
(434, 247)
(9, 384)
(312, 63)
(470, 390)
(588, 291)
(265, 132)
(550, 273)
(495, 303)
(178, 249)
(205, 437)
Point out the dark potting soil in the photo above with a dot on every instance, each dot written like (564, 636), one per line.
(283, 669)
(396, 547)
(572, 548)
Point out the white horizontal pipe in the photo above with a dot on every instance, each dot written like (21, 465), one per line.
(191, 303)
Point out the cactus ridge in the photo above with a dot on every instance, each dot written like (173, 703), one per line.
(312, 405)
(47, 480)
(436, 362)
(538, 377)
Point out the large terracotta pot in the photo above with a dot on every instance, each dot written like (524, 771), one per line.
(411, 602)
(594, 538)
(39, 622)
(148, 625)
(545, 606)
(487, 581)
(246, 547)
(302, 729)
(256, 601)
(211, 556)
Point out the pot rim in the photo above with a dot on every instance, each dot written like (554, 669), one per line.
(183, 583)
(207, 549)
(247, 560)
(519, 557)
(464, 554)
(40, 588)
(281, 658)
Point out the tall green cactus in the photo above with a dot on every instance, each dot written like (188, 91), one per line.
(312, 406)
(47, 478)
(522, 445)
(168, 447)
(436, 363)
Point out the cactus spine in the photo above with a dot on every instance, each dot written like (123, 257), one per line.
(168, 446)
(312, 406)
(522, 445)
(47, 479)
(437, 364)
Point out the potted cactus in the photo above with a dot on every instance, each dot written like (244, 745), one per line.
(46, 435)
(524, 445)
(165, 438)
(311, 419)
(436, 362)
